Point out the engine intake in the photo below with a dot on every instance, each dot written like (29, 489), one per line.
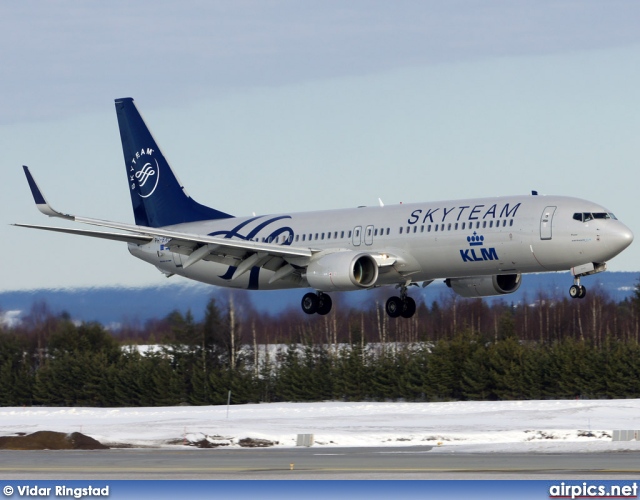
(342, 271)
(485, 286)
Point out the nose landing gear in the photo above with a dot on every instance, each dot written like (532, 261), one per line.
(577, 291)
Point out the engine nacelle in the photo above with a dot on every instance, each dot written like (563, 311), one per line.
(342, 271)
(485, 286)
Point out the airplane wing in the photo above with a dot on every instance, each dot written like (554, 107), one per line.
(240, 253)
(128, 238)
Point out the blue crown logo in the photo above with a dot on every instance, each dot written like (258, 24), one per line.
(475, 240)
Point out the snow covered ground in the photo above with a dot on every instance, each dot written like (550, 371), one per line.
(507, 426)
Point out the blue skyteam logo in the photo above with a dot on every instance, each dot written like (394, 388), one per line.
(476, 254)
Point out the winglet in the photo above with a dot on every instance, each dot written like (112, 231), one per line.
(38, 197)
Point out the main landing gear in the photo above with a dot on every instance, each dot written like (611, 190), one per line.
(320, 303)
(316, 303)
(403, 306)
(577, 291)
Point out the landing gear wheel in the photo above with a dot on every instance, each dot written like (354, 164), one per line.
(574, 291)
(577, 292)
(408, 307)
(324, 304)
(310, 303)
(394, 307)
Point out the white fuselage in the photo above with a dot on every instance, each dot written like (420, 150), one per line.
(448, 239)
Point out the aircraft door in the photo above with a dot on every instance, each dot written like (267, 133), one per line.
(357, 236)
(368, 235)
(546, 221)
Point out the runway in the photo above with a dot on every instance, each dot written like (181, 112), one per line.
(417, 462)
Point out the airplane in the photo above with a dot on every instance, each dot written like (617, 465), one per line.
(479, 247)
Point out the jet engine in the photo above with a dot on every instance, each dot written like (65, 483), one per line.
(485, 286)
(342, 271)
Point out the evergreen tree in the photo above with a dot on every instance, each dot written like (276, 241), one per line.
(506, 368)
(476, 380)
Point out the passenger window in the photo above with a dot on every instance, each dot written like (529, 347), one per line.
(349, 234)
(341, 234)
(335, 235)
(415, 229)
(388, 229)
(490, 223)
(463, 225)
(456, 226)
(400, 229)
(422, 229)
(484, 224)
(511, 223)
(375, 233)
(429, 228)
(449, 227)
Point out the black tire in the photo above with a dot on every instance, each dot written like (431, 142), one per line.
(574, 292)
(583, 292)
(324, 304)
(310, 303)
(408, 307)
(394, 307)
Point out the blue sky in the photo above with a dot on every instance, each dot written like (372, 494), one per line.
(284, 106)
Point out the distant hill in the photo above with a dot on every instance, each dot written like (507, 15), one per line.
(113, 306)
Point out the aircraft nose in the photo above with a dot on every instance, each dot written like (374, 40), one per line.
(621, 238)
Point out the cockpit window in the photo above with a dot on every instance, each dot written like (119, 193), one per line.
(603, 215)
(587, 216)
(583, 216)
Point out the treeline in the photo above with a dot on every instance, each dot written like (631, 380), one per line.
(50, 360)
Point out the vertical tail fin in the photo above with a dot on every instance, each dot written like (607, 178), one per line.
(157, 196)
